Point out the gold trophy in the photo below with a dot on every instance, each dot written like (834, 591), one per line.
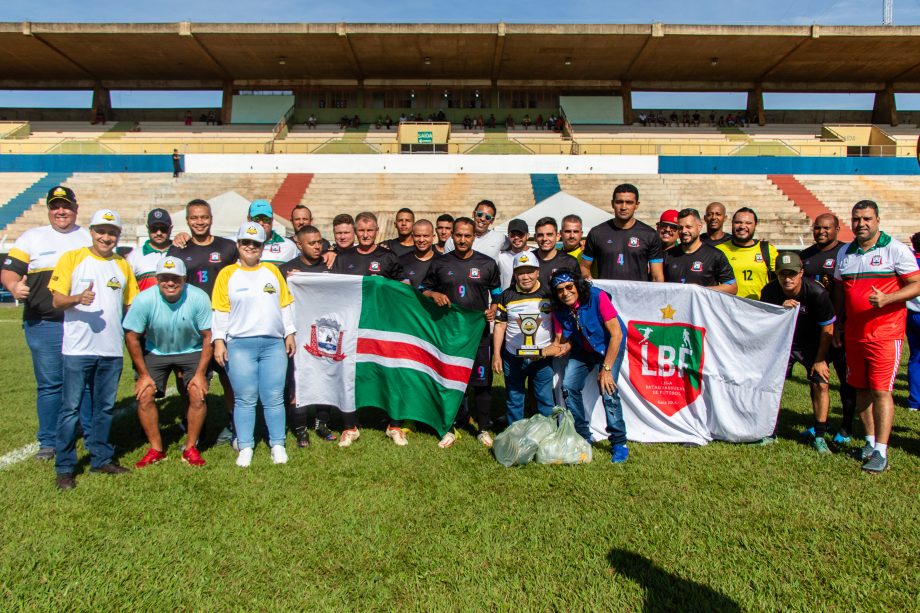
(529, 323)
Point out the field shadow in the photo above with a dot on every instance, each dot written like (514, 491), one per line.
(666, 591)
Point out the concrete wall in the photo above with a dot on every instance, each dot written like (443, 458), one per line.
(85, 163)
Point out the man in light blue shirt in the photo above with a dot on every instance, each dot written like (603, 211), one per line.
(175, 322)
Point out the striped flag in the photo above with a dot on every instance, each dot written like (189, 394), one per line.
(373, 342)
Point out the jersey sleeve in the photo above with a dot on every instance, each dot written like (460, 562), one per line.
(63, 272)
(587, 254)
(724, 273)
(202, 310)
(137, 318)
(17, 260)
(773, 255)
(284, 293)
(494, 280)
(655, 250)
(220, 297)
(501, 312)
(905, 264)
(131, 290)
(822, 308)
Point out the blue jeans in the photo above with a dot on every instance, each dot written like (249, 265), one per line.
(913, 362)
(580, 365)
(44, 339)
(257, 366)
(101, 374)
(517, 371)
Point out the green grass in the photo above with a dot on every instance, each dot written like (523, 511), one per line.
(377, 527)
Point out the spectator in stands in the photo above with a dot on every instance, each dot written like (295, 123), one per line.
(820, 262)
(92, 286)
(276, 249)
(673, 119)
(509, 122)
(518, 233)
(560, 122)
(486, 241)
(253, 330)
(752, 260)
(212, 119)
(99, 117)
(443, 227)
(404, 242)
(913, 340)
(26, 273)
(343, 231)
(188, 118)
(467, 122)
(356, 122)
(572, 233)
(526, 121)
(624, 247)
(344, 122)
(203, 118)
(479, 123)
(167, 329)
(712, 118)
(696, 119)
(668, 228)
(441, 116)
(176, 163)
(378, 123)
(491, 122)
(388, 121)
(721, 123)
(144, 260)
(643, 118)
(402, 118)
(715, 220)
(135, 127)
(685, 119)
(875, 276)
(695, 262)
(539, 124)
(730, 120)
(519, 355)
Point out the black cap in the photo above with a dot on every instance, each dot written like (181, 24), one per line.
(158, 217)
(59, 192)
(517, 225)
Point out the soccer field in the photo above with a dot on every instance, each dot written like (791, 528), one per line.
(377, 527)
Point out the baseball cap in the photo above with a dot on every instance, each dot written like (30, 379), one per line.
(59, 192)
(260, 207)
(525, 259)
(105, 217)
(158, 217)
(788, 260)
(171, 266)
(251, 231)
(669, 217)
(517, 225)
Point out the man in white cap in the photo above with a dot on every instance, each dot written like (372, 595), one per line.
(174, 321)
(276, 250)
(92, 285)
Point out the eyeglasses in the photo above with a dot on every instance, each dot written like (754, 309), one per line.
(62, 205)
(566, 287)
(262, 219)
(245, 242)
(152, 229)
(484, 215)
(666, 228)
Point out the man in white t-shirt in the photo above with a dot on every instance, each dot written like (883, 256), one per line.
(518, 233)
(92, 286)
(485, 241)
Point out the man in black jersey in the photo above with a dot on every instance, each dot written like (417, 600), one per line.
(368, 259)
(310, 242)
(546, 235)
(415, 264)
(695, 262)
(624, 247)
(715, 220)
(343, 232)
(205, 255)
(302, 216)
(404, 242)
(814, 330)
(444, 226)
(469, 279)
(819, 262)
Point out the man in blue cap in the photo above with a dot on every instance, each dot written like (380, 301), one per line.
(277, 250)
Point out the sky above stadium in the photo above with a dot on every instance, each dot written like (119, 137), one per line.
(735, 12)
(783, 12)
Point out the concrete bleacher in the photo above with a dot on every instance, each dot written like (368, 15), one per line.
(780, 221)
(896, 196)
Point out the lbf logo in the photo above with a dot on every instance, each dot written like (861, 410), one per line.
(666, 363)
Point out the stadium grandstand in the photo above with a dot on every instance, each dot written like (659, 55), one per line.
(517, 112)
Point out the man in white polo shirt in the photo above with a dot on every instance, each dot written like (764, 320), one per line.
(92, 285)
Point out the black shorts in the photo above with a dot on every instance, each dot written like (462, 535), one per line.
(160, 366)
(806, 357)
(482, 365)
(214, 367)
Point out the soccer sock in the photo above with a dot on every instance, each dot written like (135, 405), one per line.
(298, 418)
(820, 428)
(882, 448)
(870, 439)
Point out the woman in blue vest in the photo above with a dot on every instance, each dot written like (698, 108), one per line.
(588, 329)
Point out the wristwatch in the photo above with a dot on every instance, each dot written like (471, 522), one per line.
(607, 368)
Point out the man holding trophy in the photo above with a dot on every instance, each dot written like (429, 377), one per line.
(523, 328)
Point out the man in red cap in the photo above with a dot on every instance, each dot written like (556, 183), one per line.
(668, 228)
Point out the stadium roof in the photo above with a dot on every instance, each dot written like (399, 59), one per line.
(651, 56)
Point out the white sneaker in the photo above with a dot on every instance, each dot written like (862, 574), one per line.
(244, 459)
(398, 436)
(348, 437)
(447, 440)
(279, 455)
(485, 438)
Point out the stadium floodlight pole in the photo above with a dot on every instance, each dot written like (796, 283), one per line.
(887, 12)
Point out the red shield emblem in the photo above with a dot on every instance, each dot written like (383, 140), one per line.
(666, 363)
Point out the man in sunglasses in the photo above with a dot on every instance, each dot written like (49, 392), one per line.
(26, 273)
(145, 258)
(668, 229)
(485, 241)
(277, 250)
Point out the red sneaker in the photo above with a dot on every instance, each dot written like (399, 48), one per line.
(151, 457)
(192, 457)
